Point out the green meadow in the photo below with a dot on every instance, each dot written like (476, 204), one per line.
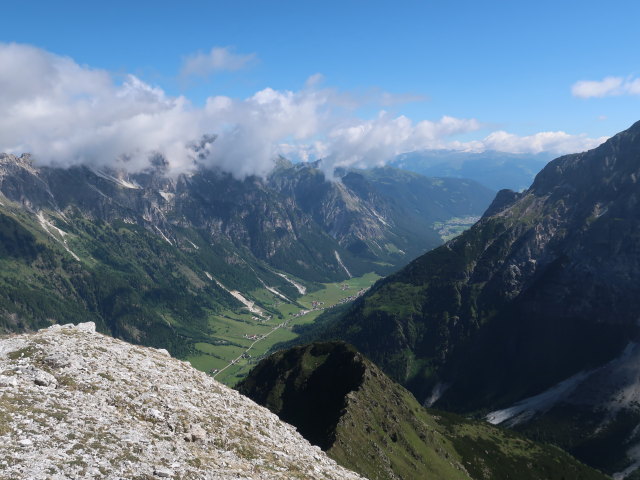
(244, 338)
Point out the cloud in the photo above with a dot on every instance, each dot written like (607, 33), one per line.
(219, 59)
(374, 142)
(554, 142)
(67, 114)
(607, 87)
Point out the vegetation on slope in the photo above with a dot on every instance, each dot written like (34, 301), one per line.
(340, 401)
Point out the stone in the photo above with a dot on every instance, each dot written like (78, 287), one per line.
(44, 379)
(89, 327)
(163, 473)
(196, 434)
(8, 381)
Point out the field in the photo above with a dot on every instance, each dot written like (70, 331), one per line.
(240, 338)
(454, 226)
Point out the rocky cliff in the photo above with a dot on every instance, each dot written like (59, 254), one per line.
(78, 404)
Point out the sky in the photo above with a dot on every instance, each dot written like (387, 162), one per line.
(352, 81)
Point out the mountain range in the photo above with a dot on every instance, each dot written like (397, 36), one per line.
(529, 318)
(496, 170)
(149, 258)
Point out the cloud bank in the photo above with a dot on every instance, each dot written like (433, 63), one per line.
(219, 59)
(607, 87)
(66, 114)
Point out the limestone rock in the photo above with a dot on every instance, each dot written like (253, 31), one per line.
(77, 404)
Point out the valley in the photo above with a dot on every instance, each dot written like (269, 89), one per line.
(240, 338)
(319, 241)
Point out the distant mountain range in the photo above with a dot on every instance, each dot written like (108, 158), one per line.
(531, 316)
(495, 170)
(149, 258)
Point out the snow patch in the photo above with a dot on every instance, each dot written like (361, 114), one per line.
(119, 181)
(342, 264)
(301, 288)
(540, 403)
(50, 228)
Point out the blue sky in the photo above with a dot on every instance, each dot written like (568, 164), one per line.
(508, 65)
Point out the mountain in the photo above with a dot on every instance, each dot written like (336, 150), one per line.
(496, 170)
(77, 404)
(533, 312)
(382, 214)
(340, 401)
(153, 259)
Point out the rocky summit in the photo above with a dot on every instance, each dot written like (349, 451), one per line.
(78, 404)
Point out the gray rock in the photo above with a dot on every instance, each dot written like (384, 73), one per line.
(8, 381)
(125, 411)
(89, 327)
(44, 379)
(196, 434)
(163, 473)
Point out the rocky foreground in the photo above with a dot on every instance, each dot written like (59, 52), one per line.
(78, 404)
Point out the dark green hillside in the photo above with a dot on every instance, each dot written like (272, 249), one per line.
(130, 282)
(340, 401)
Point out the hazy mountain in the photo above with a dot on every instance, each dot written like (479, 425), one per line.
(380, 214)
(340, 401)
(77, 404)
(496, 170)
(539, 299)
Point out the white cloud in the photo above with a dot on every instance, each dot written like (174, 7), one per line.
(67, 114)
(555, 142)
(607, 87)
(217, 60)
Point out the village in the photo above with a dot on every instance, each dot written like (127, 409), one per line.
(316, 305)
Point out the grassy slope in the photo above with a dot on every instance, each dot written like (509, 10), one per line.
(374, 426)
(137, 286)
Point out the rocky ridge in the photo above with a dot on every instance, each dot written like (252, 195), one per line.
(78, 404)
(340, 401)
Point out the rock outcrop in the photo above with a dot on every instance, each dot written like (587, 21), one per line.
(78, 404)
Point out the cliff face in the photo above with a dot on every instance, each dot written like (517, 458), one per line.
(543, 289)
(77, 404)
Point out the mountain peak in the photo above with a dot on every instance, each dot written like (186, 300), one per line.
(76, 403)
